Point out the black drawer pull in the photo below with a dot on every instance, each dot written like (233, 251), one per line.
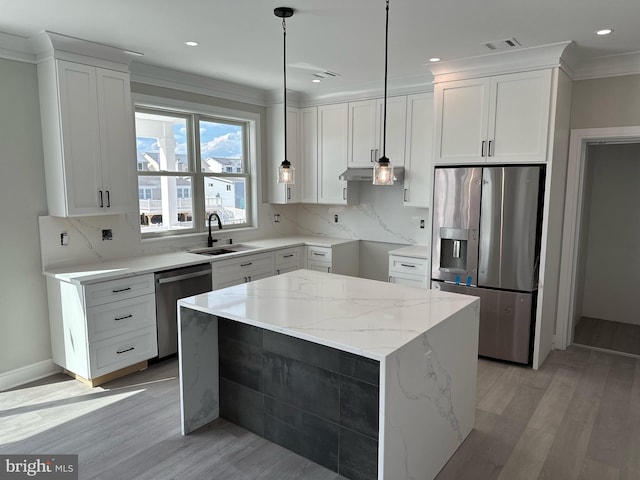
(246, 264)
(407, 265)
(287, 256)
(125, 351)
(123, 318)
(121, 290)
(319, 254)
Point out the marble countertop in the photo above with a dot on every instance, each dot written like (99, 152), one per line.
(126, 267)
(364, 317)
(414, 251)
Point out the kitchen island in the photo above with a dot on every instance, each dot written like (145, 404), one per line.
(369, 379)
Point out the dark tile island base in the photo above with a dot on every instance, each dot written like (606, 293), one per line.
(317, 401)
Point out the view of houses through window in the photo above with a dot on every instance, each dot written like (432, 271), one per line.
(190, 166)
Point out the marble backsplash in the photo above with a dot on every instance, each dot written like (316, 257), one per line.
(379, 217)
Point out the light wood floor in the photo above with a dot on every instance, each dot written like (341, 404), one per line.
(616, 336)
(578, 417)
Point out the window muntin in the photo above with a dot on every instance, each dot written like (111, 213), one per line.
(193, 165)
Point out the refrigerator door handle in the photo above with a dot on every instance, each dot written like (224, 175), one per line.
(456, 249)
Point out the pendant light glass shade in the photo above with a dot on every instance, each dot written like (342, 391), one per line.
(383, 172)
(383, 169)
(286, 173)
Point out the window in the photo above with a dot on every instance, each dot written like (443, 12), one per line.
(190, 165)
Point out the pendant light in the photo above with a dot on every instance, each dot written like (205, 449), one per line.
(286, 172)
(383, 169)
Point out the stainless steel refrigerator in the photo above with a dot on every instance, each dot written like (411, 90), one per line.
(486, 243)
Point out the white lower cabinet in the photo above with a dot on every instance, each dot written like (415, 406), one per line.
(410, 271)
(288, 260)
(101, 328)
(341, 259)
(247, 268)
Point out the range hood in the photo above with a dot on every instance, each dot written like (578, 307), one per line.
(365, 174)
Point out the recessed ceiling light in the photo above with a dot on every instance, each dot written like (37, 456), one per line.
(435, 59)
(191, 44)
(316, 80)
(604, 31)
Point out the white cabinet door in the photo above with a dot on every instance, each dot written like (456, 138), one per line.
(280, 193)
(308, 175)
(332, 152)
(319, 266)
(396, 129)
(408, 280)
(80, 132)
(418, 164)
(501, 119)
(519, 117)
(363, 133)
(366, 125)
(117, 145)
(88, 134)
(462, 113)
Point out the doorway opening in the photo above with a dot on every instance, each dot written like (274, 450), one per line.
(599, 298)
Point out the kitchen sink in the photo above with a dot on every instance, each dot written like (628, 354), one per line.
(212, 251)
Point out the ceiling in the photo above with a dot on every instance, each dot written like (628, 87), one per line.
(241, 40)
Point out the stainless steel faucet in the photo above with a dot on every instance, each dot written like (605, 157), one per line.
(210, 239)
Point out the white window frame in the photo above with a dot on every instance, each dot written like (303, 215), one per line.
(252, 148)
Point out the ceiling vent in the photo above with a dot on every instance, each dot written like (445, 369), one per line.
(325, 74)
(503, 44)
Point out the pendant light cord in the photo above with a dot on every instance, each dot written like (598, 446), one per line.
(386, 54)
(284, 62)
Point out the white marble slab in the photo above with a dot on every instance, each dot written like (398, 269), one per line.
(365, 317)
(413, 251)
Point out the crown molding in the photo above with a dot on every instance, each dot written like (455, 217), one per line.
(532, 58)
(13, 47)
(188, 82)
(609, 66)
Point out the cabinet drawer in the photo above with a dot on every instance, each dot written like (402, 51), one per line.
(287, 267)
(120, 289)
(319, 266)
(409, 280)
(118, 352)
(322, 254)
(111, 319)
(287, 256)
(240, 266)
(415, 266)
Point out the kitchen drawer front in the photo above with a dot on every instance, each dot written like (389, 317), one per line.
(120, 289)
(320, 254)
(241, 267)
(119, 352)
(287, 256)
(414, 266)
(409, 280)
(319, 266)
(287, 267)
(111, 319)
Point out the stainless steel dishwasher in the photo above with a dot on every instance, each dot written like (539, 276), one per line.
(172, 285)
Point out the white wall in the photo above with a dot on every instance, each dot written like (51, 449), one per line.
(613, 244)
(24, 326)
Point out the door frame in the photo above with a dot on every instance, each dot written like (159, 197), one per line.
(579, 141)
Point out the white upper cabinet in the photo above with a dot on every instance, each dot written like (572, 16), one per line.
(418, 164)
(307, 175)
(502, 119)
(278, 192)
(88, 138)
(333, 121)
(366, 121)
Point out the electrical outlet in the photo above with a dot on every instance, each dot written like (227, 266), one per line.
(64, 238)
(107, 234)
(276, 218)
(335, 218)
(421, 223)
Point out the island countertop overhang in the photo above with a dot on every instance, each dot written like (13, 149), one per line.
(365, 317)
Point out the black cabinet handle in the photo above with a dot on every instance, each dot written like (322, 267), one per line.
(490, 153)
(108, 199)
(123, 318)
(101, 201)
(246, 264)
(482, 154)
(125, 351)
(287, 256)
(121, 290)
(407, 265)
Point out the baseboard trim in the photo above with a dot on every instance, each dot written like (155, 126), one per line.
(22, 375)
